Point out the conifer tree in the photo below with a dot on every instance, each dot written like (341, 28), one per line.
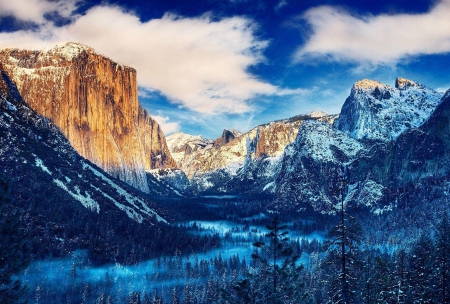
(443, 260)
(12, 247)
(276, 277)
(421, 271)
(342, 259)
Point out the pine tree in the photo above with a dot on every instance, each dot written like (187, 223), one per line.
(12, 247)
(276, 277)
(342, 259)
(421, 268)
(443, 260)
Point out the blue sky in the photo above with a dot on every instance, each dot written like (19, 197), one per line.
(208, 65)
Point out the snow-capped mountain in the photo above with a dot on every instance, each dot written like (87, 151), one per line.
(93, 100)
(384, 142)
(376, 111)
(235, 162)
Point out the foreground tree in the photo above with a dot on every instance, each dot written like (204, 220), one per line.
(342, 260)
(12, 247)
(443, 260)
(275, 276)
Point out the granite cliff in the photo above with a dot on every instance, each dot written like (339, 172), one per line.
(93, 100)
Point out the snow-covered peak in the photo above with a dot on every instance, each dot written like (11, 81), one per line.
(381, 112)
(236, 133)
(317, 114)
(180, 139)
(320, 141)
(70, 50)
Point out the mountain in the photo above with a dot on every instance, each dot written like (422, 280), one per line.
(235, 162)
(67, 202)
(376, 111)
(381, 145)
(93, 100)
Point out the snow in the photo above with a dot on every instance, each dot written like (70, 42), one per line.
(86, 200)
(40, 164)
(315, 139)
(11, 107)
(129, 211)
(378, 111)
(134, 201)
(317, 114)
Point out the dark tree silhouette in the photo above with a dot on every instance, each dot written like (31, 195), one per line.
(12, 247)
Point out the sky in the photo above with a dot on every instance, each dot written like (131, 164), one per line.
(208, 65)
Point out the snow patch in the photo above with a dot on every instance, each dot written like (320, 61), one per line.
(134, 201)
(40, 163)
(86, 201)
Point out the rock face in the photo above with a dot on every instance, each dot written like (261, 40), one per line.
(38, 158)
(239, 163)
(386, 143)
(376, 111)
(93, 100)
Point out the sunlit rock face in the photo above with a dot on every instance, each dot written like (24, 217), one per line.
(235, 162)
(93, 100)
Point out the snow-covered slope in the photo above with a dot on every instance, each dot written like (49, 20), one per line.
(33, 150)
(377, 111)
(237, 162)
(381, 140)
(311, 164)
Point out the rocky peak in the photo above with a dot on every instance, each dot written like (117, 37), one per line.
(93, 100)
(227, 136)
(316, 114)
(404, 84)
(380, 112)
(368, 84)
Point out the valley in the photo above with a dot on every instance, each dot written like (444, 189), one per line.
(99, 206)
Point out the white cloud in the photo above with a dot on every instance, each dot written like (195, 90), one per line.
(34, 10)
(198, 63)
(167, 127)
(375, 40)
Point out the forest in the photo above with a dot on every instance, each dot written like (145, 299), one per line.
(243, 256)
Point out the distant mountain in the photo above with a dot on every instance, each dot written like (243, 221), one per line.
(377, 111)
(235, 162)
(93, 100)
(381, 144)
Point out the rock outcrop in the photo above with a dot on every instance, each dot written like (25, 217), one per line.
(376, 111)
(386, 144)
(93, 100)
(238, 163)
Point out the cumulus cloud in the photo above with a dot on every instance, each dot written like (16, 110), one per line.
(167, 127)
(34, 10)
(375, 40)
(198, 63)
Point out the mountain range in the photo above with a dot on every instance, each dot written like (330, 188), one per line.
(385, 140)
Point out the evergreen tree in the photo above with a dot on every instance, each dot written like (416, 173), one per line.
(276, 277)
(421, 270)
(342, 259)
(400, 276)
(12, 247)
(443, 260)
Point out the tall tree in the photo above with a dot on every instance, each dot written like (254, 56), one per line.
(443, 260)
(276, 277)
(12, 247)
(342, 259)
